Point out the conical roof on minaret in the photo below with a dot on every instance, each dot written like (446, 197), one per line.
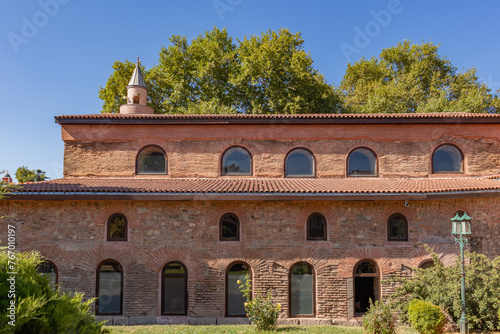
(137, 79)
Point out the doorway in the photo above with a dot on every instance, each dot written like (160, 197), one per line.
(366, 286)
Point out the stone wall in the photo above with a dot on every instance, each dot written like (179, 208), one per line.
(72, 234)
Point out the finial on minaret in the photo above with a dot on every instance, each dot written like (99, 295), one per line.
(137, 94)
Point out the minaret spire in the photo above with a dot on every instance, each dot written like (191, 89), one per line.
(137, 94)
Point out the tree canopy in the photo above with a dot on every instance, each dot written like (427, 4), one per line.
(23, 174)
(271, 73)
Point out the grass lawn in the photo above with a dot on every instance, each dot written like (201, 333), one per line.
(238, 329)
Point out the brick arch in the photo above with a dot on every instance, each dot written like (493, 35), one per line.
(123, 208)
(252, 257)
(351, 258)
(60, 257)
(91, 260)
(158, 257)
(142, 142)
(446, 254)
(409, 212)
(466, 146)
(350, 145)
(308, 209)
(314, 256)
(217, 212)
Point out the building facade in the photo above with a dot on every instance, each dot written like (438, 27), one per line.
(160, 215)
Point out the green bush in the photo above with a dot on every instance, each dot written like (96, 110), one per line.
(379, 319)
(441, 286)
(425, 317)
(38, 308)
(262, 312)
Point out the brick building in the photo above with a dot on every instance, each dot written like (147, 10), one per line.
(160, 215)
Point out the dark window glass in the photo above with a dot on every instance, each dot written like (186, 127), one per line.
(362, 162)
(301, 290)
(229, 228)
(447, 158)
(300, 162)
(397, 228)
(366, 268)
(174, 299)
(117, 228)
(316, 227)
(427, 264)
(236, 161)
(49, 270)
(151, 160)
(235, 299)
(109, 288)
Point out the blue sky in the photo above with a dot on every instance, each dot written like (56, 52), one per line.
(55, 54)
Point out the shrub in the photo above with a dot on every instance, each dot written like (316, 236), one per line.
(39, 308)
(262, 312)
(379, 319)
(425, 317)
(441, 286)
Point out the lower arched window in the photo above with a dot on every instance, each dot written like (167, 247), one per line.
(49, 270)
(174, 289)
(229, 228)
(302, 296)
(109, 288)
(117, 228)
(427, 264)
(316, 227)
(235, 300)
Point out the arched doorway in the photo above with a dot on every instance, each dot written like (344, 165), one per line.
(366, 285)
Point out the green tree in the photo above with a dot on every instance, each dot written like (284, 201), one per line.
(270, 73)
(410, 78)
(23, 174)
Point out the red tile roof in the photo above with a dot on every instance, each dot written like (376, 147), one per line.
(288, 118)
(260, 186)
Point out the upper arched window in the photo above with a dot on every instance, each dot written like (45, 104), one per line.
(151, 160)
(109, 288)
(229, 229)
(299, 163)
(447, 159)
(362, 162)
(235, 300)
(302, 298)
(397, 228)
(236, 161)
(117, 227)
(49, 270)
(316, 227)
(174, 289)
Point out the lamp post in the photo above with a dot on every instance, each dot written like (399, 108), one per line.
(461, 230)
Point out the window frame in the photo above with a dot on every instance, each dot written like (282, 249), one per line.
(394, 215)
(186, 290)
(285, 165)
(108, 229)
(138, 172)
(462, 156)
(290, 291)
(56, 271)
(376, 173)
(98, 276)
(221, 161)
(325, 228)
(238, 227)
(226, 290)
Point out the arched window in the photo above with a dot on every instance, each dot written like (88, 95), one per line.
(174, 289)
(117, 227)
(49, 270)
(302, 296)
(235, 300)
(447, 159)
(299, 163)
(397, 228)
(229, 228)
(426, 264)
(362, 162)
(366, 282)
(109, 288)
(236, 161)
(316, 227)
(135, 99)
(151, 160)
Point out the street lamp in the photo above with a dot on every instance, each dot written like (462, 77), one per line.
(461, 230)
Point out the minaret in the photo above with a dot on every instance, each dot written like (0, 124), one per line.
(137, 95)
